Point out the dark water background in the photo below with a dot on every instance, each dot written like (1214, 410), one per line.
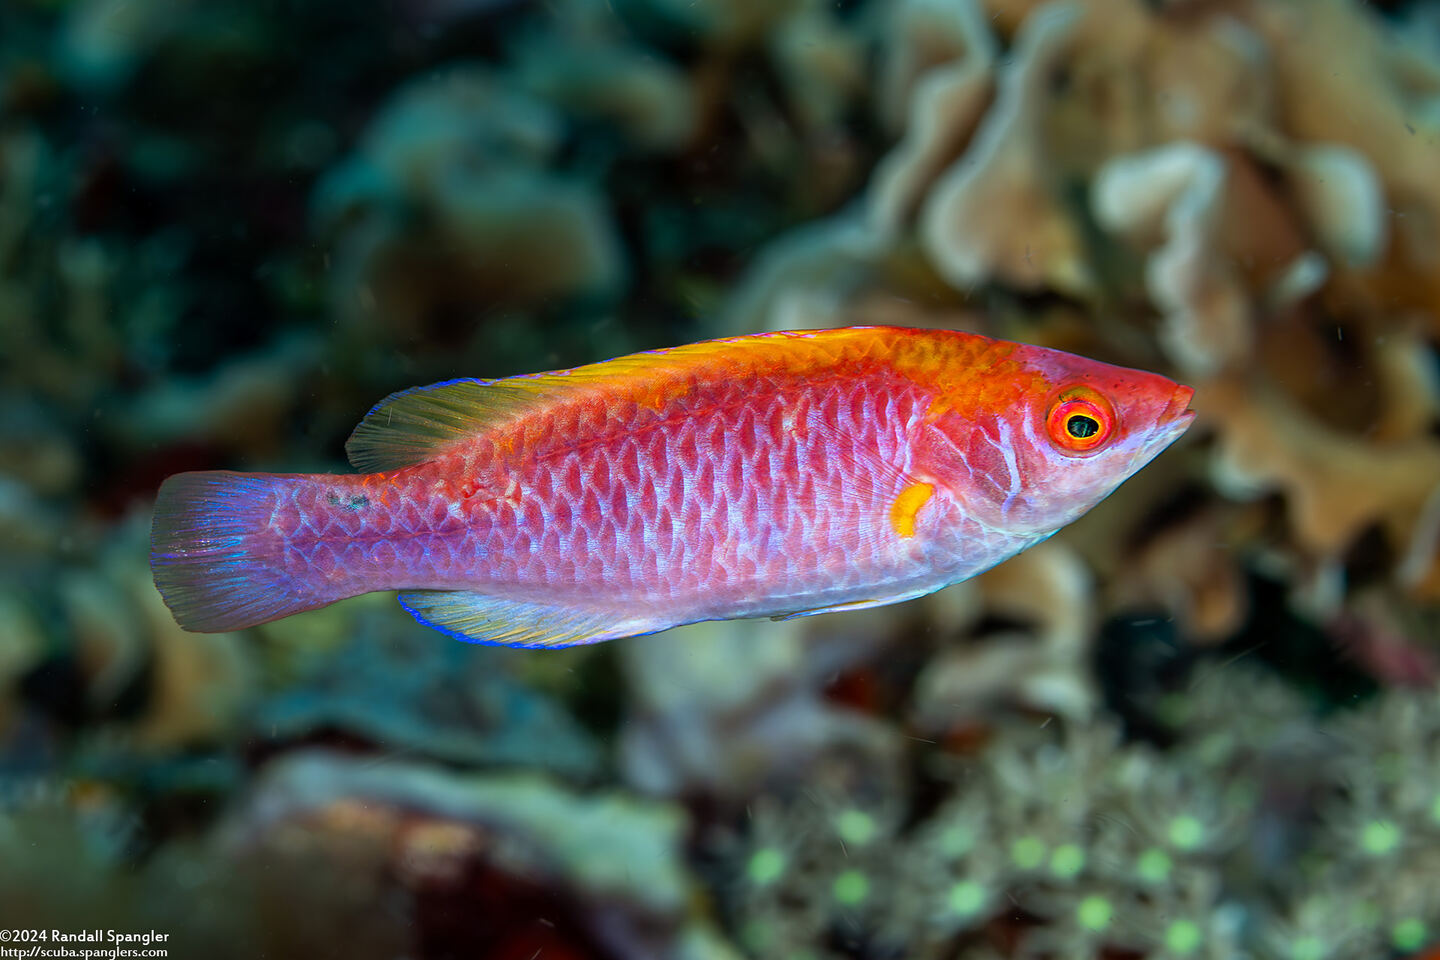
(1201, 722)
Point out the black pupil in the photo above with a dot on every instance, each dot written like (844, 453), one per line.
(1082, 427)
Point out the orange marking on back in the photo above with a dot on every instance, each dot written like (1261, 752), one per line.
(966, 374)
(969, 374)
(907, 505)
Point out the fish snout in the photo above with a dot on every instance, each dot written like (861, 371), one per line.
(1177, 413)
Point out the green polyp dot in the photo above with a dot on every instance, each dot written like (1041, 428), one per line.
(765, 866)
(1408, 934)
(1307, 948)
(1067, 860)
(1154, 865)
(1186, 832)
(1435, 809)
(856, 827)
(966, 898)
(1380, 837)
(1028, 852)
(851, 887)
(1182, 936)
(1094, 913)
(956, 841)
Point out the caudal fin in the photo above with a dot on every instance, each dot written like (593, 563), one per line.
(215, 562)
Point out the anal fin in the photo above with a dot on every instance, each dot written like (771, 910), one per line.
(480, 618)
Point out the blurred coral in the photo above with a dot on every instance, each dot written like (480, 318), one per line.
(1107, 847)
(448, 201)
(723, 708)
(1042, 665)
(1263, 237)
(354, 669)
(432, 829)
(1002, 179)
(1177, 192)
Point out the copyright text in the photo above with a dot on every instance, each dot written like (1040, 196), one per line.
(34, 944)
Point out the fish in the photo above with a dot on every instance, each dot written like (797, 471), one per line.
(771, 475)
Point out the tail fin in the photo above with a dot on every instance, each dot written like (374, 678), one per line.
(215, 562)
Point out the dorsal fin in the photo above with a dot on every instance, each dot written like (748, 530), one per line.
(414, 425)
(418, 424)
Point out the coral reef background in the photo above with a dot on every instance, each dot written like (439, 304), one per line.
(1203, 722)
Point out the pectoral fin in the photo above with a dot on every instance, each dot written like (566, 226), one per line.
(857, 604)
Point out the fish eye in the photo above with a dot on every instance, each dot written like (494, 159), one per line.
(1080, 421)
(1081, 427)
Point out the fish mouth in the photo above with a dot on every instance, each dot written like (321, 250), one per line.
(1177, 413)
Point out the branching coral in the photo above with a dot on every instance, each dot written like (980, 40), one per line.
(937, 77)
(1335, 486)
(965, 222)
(1340, 195)
(816, 56)
(1177, 192)
(584, 66)
(1379, 107)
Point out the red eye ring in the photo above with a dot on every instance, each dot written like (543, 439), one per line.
(1080, 421)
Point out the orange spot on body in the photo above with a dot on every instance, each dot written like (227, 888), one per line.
(907, 505)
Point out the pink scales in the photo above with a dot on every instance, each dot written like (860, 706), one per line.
(763, 476)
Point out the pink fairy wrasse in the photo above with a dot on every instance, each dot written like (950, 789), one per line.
(773, 475)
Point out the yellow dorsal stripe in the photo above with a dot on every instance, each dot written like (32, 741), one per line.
(907, 505)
